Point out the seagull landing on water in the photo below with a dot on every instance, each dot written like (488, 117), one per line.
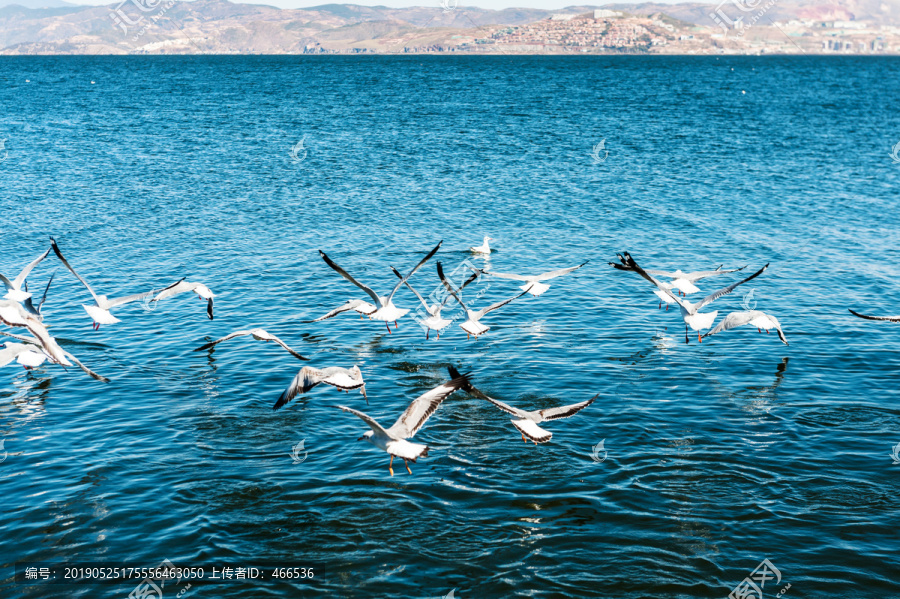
(435, 322)
(484, 248)
(15, 289)
(682, 281)
(183, 286)
(472, 326)
(394, 440)
(691, 314)
(886, 318)
(532, 283)
(383, 309)
(100, 311)
(756, 318)
(259, 335)
(527, 422)
(345, 379)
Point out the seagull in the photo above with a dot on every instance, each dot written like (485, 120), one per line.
(690, 312)
(532, 283)
(683, 282)
(527, 422)
(345, 379)
(259, 335)
(183, 286)
(484, 248)
(14, 288)
(383, 308)
(36, 342)
(100, 311)
(887, 318)
(13, 314)
(435, 322)
(756, 318)
(23, 353)
(394, 440)
(472, 326)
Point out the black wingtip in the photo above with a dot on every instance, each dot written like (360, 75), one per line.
(209, 308)
(281, 401)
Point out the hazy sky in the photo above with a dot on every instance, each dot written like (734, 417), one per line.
(492, 4)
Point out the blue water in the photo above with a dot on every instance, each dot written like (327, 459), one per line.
(720, 454)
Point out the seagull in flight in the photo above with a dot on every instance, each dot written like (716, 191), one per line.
(690, 312)
(533, 283)
(394, 439)
(14, 315)
(434, 322)
(472, 326)
(484, 248)
(756, 318)
(36, 343)
(345, 379)
(383, 308)
(100, 311)
(682, 281)
(259, 335)
(17, 289)
(184, 286)
(527, 422)
(887, 318)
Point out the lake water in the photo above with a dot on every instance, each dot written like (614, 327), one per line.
(717, 455)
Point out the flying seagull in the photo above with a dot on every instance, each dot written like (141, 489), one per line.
(15, 289)
(472, 326)
(259, 335)
(887, 318)
(383, 309)
(682, 281)
(345, 379)
(33, 342)
(690, 312)
(183, 286)
(755, 318)
(26, 354)
(434, 322)
(394, 440)
(100, 311)
(484, 248)
(532, 283)
(527, 422)
(13, 314)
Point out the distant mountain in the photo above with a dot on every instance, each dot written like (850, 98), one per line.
(35, 3)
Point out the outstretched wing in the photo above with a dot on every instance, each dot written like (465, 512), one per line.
(415, 268)
(112, 303)
(631, 264)
(367, 308)
(347, 276)
(22, 275)
(87, 370)
(424, 406)
(558, 273)
(887, 318)
(506, 407)
(306, 379)
(225, 338)
(287, 347)
(421, 299)
(500, 275)
(499, 304)
(566, 411)
(59, 255)
(46, 289)
(726, 290)
(702, 274)
(448, 286)
(368, 420)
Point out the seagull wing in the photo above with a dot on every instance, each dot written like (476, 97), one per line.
(531, 430)
(500, 304)
(347, 276)
(415, 268)
(46, 289)
(373, 424)
(21, 278)
(887, 318)
(86, 370)
(633, 265)
(51, 347)
(306, 379)
(6, 282)
(566, 411)
(702, 274)
(726, 290)
(449, 287)
(179, 286)
(351, 305)
(127, 299)
(59, 255)
(461, 287)
(424, 406)
(421, 299)
(225, 338)
(342, 378)
(558, 273)
(754, 317)
(287, 347)
(500, 275)
(506, 407)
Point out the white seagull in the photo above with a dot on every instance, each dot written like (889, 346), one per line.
(259, 335)
(100, 311)
(13, 314)
(345, 379)
(183, 286)
(690, 312)
(682, 281)
(756, 318)
(472, 326)
(15, 289)
(435, 322)
(383, 309)
(36, 343)
(394, 440)
(484, 248)
(26, 354)
(887, 318)
(532, 283)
